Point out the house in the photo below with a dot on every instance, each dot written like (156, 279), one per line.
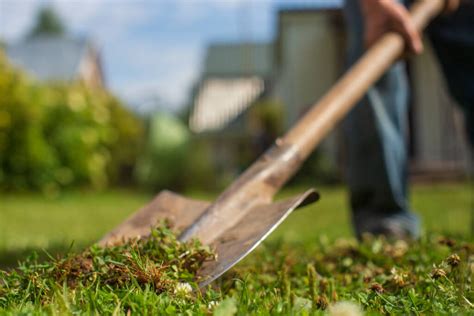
(305, 60)
(58, 58)
(234, 77)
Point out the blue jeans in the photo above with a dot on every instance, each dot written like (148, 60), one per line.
(375, 130)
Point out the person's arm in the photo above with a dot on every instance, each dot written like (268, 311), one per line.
(381, 16)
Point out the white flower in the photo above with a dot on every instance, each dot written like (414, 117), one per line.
(211, 304)
(345, 309)
(183, 289)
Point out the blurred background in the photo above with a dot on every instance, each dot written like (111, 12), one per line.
(104, 103)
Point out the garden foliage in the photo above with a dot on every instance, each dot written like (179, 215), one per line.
(60, 135)
(172, 158)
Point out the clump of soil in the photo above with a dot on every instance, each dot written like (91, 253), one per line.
(159, 261)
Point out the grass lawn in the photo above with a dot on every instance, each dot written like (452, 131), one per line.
(80, 218)
(310, 239)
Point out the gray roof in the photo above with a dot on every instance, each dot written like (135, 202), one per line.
(309, 4)
(49, 58)
(239, 59)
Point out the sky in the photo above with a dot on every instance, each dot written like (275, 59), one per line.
(153, 48)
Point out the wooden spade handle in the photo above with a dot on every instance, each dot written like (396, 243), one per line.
(325, 114)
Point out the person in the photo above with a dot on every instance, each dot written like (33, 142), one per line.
(376, 128)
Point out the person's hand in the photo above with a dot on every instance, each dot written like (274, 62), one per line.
(451, 6)
(382, 16)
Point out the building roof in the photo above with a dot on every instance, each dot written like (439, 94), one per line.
(49, 58)
(311, 5)
(238, 59)
(221, 100)
(233, 78)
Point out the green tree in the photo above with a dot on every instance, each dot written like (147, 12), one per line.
(48, 23)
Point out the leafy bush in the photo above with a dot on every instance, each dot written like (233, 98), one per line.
(172, 159)
(165, 153)
(55, 136)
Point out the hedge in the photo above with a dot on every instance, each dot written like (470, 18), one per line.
(54, 136)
